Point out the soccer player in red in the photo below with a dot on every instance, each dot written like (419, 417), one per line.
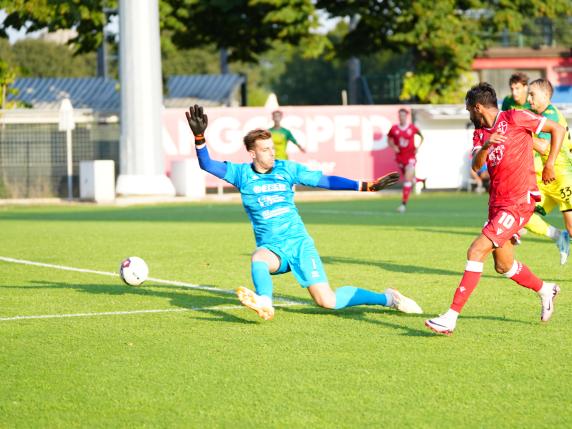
(401, 138)
(504, 141)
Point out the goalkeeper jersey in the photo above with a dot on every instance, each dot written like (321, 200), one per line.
(269, 198)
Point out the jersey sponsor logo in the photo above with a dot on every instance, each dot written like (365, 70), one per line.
(502, 127)
(499, 231)
(268, 214)
(496, 155)
(270, 199)
(271, 187)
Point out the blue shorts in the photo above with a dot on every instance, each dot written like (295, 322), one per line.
(300, 256)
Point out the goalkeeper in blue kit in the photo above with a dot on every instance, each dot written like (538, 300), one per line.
(282, 242)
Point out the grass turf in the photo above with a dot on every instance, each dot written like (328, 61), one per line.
(208, 367)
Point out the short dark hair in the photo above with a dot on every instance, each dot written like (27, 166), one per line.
(257, 134)
(545, 85)
(482, 93)
(518, 77)
(404, 111)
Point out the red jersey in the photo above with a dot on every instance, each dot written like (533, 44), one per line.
(511, 163)
(404, 139)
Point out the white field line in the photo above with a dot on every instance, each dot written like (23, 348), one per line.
(128, 312)
(283, 302)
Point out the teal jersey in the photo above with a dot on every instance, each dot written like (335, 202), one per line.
(269, 198)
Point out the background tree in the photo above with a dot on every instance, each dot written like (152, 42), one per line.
(7, 78)
(443, 36)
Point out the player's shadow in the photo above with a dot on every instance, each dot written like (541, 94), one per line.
(191, 299)
(389, 266)
(398, 268)
(361, 314)
(497, 319)
(525, 238)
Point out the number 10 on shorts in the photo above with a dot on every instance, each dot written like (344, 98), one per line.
(506, 220)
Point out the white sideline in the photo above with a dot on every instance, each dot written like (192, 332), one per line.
(127, 312)
(110, 274)
(283, 302)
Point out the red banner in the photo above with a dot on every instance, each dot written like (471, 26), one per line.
(348, 141)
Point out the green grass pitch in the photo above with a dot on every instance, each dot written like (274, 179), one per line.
(203, 361)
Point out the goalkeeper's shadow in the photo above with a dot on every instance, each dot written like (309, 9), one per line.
(194, 300)
(361, 314)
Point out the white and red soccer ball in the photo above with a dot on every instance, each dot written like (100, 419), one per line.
(133, 271)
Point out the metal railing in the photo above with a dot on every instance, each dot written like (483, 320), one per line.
(33, 156)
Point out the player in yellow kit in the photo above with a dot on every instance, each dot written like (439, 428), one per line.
(559, 192)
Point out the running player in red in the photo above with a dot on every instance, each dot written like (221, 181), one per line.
(505, 144)
(401, 138)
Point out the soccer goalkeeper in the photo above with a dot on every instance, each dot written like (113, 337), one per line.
(282, 242)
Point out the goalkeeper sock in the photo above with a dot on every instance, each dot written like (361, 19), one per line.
(348, 296)
(406, 192)
(262, 279)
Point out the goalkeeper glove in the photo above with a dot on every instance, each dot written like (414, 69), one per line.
(380, 183)
(198, 122)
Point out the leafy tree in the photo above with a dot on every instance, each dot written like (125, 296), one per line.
(88, 17)
(7, 78)
(40, 58)
(246, 28)
(443, 36)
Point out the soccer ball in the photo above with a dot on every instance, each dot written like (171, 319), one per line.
(133, 271)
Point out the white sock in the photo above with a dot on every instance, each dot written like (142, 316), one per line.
(451, 315)
(546, 287)
(553, 233)
(264, 300)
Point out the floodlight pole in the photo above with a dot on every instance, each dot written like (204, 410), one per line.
(142, 161)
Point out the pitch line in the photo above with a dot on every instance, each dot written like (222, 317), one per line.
(129, 312)
(150, 279)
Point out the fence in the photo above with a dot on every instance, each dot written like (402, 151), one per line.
(33, 156)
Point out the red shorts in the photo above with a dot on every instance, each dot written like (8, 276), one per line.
(505, 222)
(404, 161)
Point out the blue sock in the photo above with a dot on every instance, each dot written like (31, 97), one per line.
(348, 296)
(261, 278)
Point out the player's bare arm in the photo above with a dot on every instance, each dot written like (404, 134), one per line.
(391, 144)
(481, 156)
(540, 145)
(420, 141)
(557, 132)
